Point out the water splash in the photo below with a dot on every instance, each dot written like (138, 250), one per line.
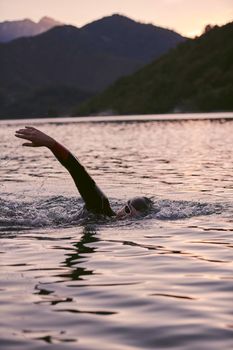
(174, 210)
(54, 211)
(60, 211)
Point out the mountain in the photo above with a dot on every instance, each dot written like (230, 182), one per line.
(126, 38)
(10, 30)
(195, 76)
(85, 60)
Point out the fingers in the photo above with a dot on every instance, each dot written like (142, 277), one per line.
(30, 134)
(27, 130)
(30, 128)
(22, 132)
(28, 144)
(22, 136)
(25, 137)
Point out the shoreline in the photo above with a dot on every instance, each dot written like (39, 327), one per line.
(124, 118)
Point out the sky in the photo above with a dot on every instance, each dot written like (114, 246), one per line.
(187, 17)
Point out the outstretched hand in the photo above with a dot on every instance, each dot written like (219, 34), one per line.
(36, 137)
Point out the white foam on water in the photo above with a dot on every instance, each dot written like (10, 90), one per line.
(60, 211)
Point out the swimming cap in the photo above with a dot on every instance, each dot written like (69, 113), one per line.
(141, 204)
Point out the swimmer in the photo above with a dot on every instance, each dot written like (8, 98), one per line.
(95, 200)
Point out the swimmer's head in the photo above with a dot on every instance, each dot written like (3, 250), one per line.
(135, 207)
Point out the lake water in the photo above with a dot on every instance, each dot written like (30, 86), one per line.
(160, 282)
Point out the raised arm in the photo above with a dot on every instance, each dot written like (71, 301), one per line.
(94, 198)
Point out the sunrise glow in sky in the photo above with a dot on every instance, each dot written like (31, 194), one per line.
(188, 17)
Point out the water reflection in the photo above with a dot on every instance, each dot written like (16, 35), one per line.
(74, 258)
(164, 281)
(78, 255)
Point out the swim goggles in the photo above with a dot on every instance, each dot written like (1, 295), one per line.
(129, 209)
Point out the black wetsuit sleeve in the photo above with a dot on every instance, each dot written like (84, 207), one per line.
(95, 200)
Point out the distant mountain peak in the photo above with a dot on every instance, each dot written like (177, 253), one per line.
(193, 77)
(114, 18)
(116, 21)
(10, 30)
(49, 21)
(88, 59)
(118, 16)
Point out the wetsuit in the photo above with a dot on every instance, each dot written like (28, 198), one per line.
(95, 200)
